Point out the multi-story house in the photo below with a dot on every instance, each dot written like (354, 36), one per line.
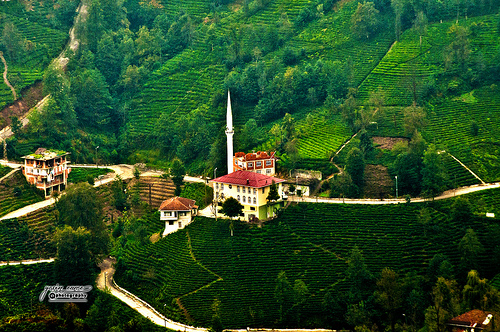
(251, 190)
(48, 170)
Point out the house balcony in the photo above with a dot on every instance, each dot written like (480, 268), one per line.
(43, 185)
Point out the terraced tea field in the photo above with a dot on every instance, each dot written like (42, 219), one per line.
(449, 124)
(408, 62)
(21, 285)
(46, 43)
(310, 242)
(330, 38)
(27, 237)
(81, 174)
(16, 193)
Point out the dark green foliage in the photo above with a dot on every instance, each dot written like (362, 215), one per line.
(231, 207)
(434, 176)
(76, 256)
(470, 249)
(177, 173)
(81, 174)
(199, 192)
(474, 128)
(273, 193)
(21, 286)
(81, 207)
(365, 21)
(355, 166)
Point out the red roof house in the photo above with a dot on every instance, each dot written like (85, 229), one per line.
(177, 212)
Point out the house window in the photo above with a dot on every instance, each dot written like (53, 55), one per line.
(254, 191)
(243, 189)
(216, 195)
(230, 187)
(252, 208)
(254, 200)
(222, 196)
(222, 186)
(249, 200)
(263, 189)
(268, 171)
(180, 224)
(258, 171)
(250, 164)
(238, 198)
(171, 222)
(244, 199)
(167, 214)
(216, 186)
(238, 188)
(269, 163)
(182, 214)
(259, 164)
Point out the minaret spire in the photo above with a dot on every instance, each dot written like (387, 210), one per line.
(229, 135)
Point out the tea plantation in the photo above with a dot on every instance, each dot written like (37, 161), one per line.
(310, 242)
(45, 44)
(15, 193)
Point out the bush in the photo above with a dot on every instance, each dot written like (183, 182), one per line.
(474, 128)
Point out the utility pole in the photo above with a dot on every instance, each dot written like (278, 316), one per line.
(396, 187)
(5, 149)
(150, 185)
(96, 156)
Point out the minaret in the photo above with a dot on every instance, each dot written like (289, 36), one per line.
(229, 134)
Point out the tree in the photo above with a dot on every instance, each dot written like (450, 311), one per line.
(217, 325)
(177, 173)
(434, 176)
(445, 305)
(439, 266)
(300, 293)
(273, 193)
(76, 256)
(479, 294)
(389, 294)
(458, 52)
(355, 166)
(16, 126)
(13, 42)
(397, 6)
(119, 190)
(414, 119)
(282, 293)
(231, 207)
(342, 186)
(461, 210)
(249, 135)
(82, 207)
(358, 275)
(364, 22)
(89, 84)
(470, 249)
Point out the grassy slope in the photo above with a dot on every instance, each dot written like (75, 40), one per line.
(20, 286)
(47, 45)
(8, 201)
(309, 242)
(189, 80)
(449, 118)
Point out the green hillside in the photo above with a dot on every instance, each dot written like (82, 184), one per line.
(40, 44)
(192, 79)
(310, 242)
(15, 192)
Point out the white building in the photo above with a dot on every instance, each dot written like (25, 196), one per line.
(177, 212)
